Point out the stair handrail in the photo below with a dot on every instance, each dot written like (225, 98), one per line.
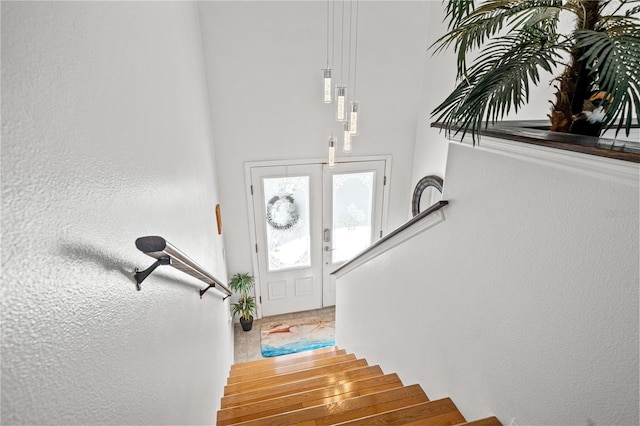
(167, 254)
(408, 224)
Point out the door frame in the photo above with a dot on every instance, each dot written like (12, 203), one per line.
(251, 216)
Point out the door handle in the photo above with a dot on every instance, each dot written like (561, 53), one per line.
(327, 235)
(326, 248)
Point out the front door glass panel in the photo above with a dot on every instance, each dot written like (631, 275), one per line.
(287, 222)
(352, 214)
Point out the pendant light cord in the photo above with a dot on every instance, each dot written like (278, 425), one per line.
(350, 20)
(355, 57)
(327, 34)
(342, 46)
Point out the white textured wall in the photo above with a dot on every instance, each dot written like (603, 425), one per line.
(264, 67)
(522, 304)
(106, 136)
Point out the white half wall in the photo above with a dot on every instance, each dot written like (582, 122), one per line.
(106, 137)
(523, 303)
(264, 68)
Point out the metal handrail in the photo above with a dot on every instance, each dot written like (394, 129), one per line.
(434, 208)
(168, 254)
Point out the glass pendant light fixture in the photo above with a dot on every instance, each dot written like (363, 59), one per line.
(341, 99)
(332, 151)
(327, 86)
(353, 117)
(347, 138)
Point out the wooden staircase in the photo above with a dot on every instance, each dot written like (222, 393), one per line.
(327, 387)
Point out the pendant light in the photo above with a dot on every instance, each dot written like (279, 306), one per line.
(347, 138)
(353, 117)
(341, 99)
(332, 151)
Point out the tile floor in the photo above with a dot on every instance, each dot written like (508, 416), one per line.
(247, 343)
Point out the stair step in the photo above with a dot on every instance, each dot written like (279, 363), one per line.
(298, 366)
(433, 413)
(268, 382)
(307, 399)
(488, 421)
(328, 386)
(287, 359)
(347, 409)
(300, 386)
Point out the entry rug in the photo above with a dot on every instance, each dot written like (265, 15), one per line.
(281, 338)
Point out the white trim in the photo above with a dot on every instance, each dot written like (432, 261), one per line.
(269, 163)
(417, 228)
(619, 170)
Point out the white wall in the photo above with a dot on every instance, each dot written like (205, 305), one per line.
(264, 62)
(522, 304)
(106, 136)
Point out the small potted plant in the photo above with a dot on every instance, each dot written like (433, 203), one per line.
(246, 304)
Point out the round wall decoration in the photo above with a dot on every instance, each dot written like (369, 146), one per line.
(427, 192)
(282, 212)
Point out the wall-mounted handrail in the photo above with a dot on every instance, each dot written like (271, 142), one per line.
(417, 218)
(167, 254)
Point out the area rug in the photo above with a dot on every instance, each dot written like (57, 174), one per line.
(281, 338)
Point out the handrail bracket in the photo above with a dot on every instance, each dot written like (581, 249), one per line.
(202, 292)
(142, 275)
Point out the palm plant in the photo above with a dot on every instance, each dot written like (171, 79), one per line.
(600, 84)
(246, 304)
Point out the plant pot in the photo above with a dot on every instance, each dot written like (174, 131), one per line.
(246, 324)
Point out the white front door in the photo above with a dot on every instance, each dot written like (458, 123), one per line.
(308, 220)
(288, 221)
(352, 215)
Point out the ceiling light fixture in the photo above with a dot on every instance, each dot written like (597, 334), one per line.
(332, 151)
(347, 138)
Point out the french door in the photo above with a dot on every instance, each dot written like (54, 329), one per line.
(308, 220)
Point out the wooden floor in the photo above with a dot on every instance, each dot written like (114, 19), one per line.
(327, 387)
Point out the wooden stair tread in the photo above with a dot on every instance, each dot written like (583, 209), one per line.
(287, 359)
(329, 387)
(347, 409)
(307, 399)
(487, 421)
(271, 381)
(300, 386)
(434, 413)
(298, 366)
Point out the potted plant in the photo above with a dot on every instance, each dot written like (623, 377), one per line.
(246, 304)
(516, 39)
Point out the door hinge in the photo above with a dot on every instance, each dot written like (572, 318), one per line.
(256, 248)
(260, 298)
(251, 189)
(380, 234)
(385, 181)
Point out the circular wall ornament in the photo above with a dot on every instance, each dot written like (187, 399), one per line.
(282, 212)
(427, 187)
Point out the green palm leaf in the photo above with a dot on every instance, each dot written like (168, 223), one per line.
(471, 27)
(498, 81)
(613, 56)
